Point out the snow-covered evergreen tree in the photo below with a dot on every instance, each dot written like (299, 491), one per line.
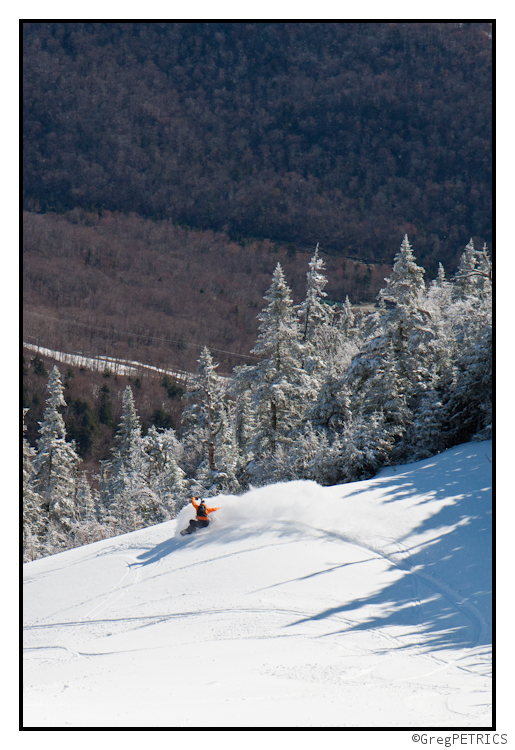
(277, 383)
(313, 312)
(439, 299)
(84, 502)
(473, 277)
(439, 294)
(484, 268)
(227, 457)
(347, 321)
(364, 446)
(126, 493)
(206, 397)
(462, 311)
(397, 365)
(87, 528)
(127, 450)
(164, 477)
(428, 433)
(337, 344)
(332, 408)
(124, 477)
(56, 464)
(226, 477)
(208, 431)
(322, 339)
(32, 511)
(303, 459)
(467, 407)
(406, 284)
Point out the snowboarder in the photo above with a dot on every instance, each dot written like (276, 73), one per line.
(202, 520)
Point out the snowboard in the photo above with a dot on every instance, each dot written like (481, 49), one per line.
(189, 530)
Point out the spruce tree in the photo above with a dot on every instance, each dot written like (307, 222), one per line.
(209, 437)
(319, 336)
(337, 345)
(347, 320)
(87, 526)
(125, 479)
(440, 294)
(406, 284)
(32, 511)
(468, 408)
(226, 477)
(363, 447)
(84, 500)
(462, 310)
(164, 477)
(428, 433)
(397, 365)
(56, 464)
(127, 450)
(473, 277)
(205, 413)
(313, 312)
(278, 381)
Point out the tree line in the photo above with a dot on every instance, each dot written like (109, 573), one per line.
(332, 397)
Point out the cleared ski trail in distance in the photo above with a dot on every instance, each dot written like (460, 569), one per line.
(358, 605)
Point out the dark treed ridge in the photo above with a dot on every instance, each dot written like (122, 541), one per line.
(347, 134)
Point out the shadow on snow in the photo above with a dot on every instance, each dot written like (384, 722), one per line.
(443, 597)
(444, 594)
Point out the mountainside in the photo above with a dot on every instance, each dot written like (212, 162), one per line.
(150, 291)
(347, 134)
(357, 605)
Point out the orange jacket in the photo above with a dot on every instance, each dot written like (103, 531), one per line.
(208, 510)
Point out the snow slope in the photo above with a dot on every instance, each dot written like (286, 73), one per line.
(358, 605)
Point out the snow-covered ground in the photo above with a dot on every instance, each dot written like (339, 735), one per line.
(358, 605)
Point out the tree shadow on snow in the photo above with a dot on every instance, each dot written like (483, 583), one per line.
(443, 595)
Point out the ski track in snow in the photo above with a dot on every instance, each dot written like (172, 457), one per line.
(376, 656)
(453, 597)
(122, 587)
(119, 588)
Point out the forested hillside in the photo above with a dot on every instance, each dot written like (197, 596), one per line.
(347, 134)
(133, 288)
